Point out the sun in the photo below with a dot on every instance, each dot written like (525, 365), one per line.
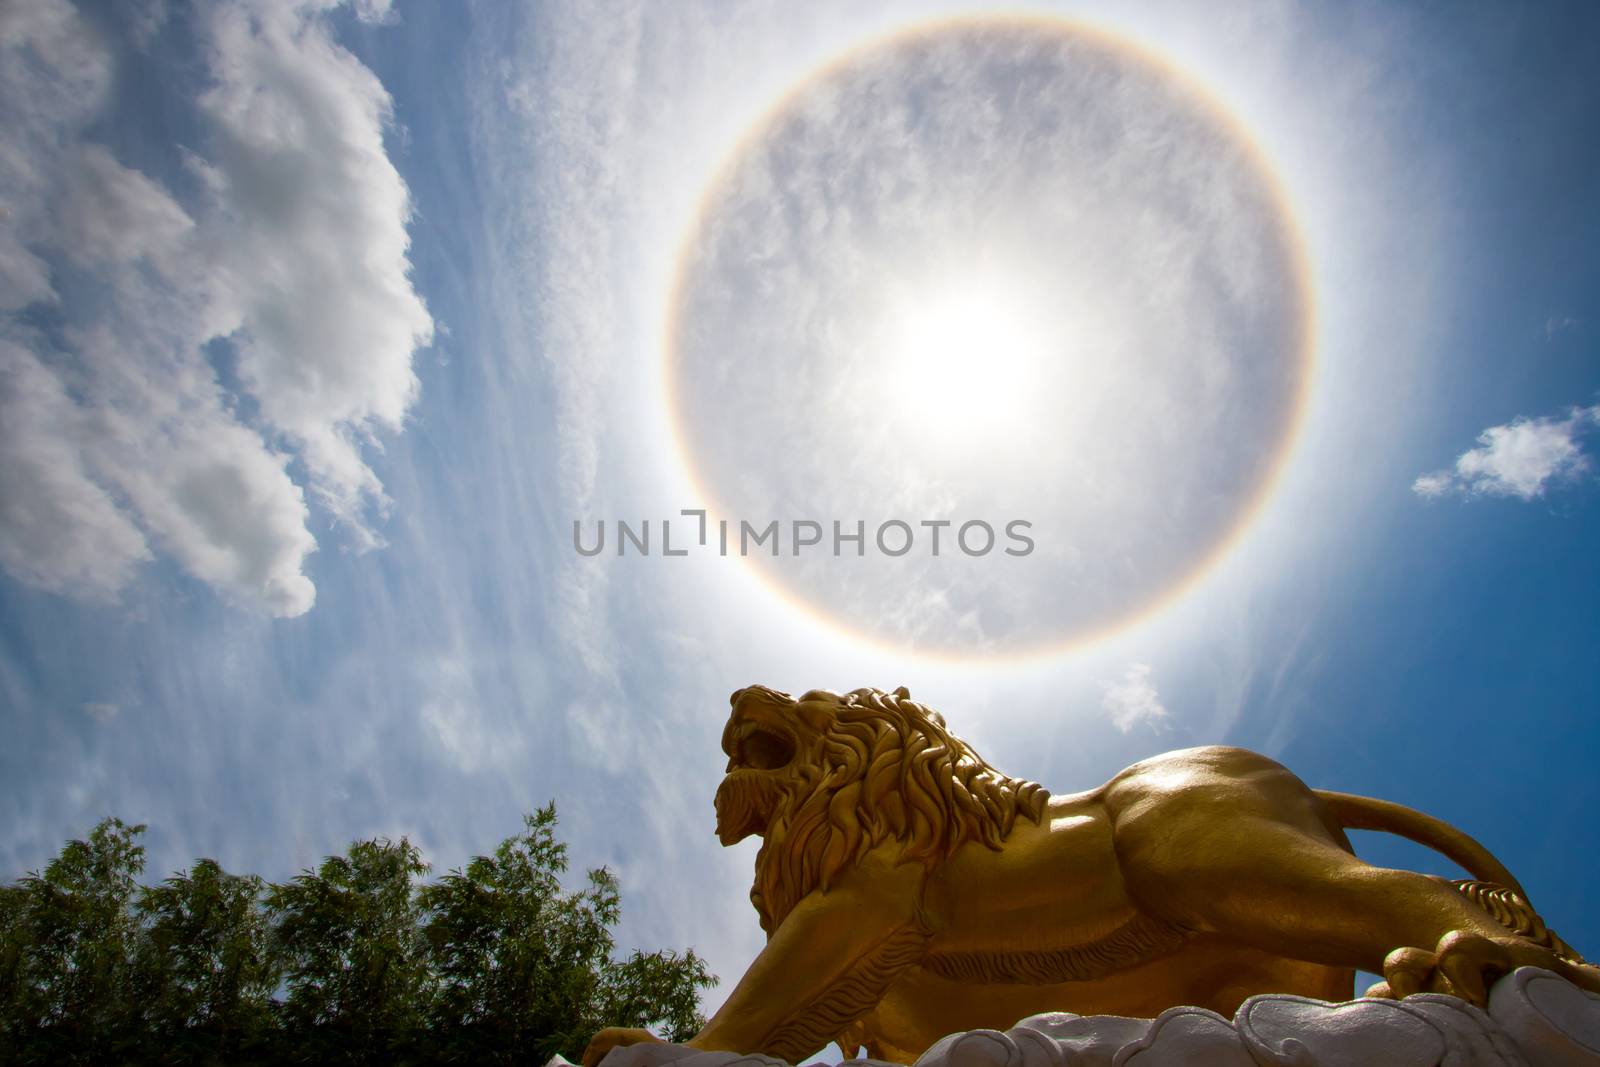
(960, 359)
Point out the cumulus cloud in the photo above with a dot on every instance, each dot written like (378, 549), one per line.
(62, 530)
(1132, 700)
(24, 277)
(120, 441)
(1522, 458)
(54, 73)
(107, 213)
(310, 243)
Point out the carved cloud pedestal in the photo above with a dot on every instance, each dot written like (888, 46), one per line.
(1535, 1019)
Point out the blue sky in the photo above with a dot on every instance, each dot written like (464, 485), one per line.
(323, 323)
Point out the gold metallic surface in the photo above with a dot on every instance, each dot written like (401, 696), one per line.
(909, 890)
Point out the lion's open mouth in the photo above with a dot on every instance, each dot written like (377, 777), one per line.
(759, 748)
(745, 802)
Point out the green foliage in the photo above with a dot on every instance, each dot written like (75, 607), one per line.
(68, 944)
(658, 990)
(356, 962)
(204, 976)
(352, 954)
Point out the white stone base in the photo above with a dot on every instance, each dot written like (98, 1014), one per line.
(1535, 1019)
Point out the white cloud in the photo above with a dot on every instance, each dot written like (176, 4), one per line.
(454, 718)
(309, 241)
(107, 213)
(375, 11)
(463, 736)
(145, 19)
(1433, 485)
(121, 440)
(1522, 458)
(24, 277)
(54, 73)
(571, 273)
(100, 710)
(62, 531)
(1557, 324)
(1133, 700)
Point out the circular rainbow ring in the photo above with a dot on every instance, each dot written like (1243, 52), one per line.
(1304, 353)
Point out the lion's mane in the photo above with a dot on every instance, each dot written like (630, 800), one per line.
(888, 771)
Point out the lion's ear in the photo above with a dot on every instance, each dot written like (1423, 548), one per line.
(903, 693)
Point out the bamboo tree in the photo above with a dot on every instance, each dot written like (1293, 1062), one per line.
(203, 971)
(354, 962)
(349, 941)
(68, 936)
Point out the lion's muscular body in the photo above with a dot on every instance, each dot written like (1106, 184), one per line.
(1077, 911)
(909, 890)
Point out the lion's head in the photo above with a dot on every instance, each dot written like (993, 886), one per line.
(826, 778)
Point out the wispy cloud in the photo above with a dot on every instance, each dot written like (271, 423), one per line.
(1558, 324)
(569, 100)
(1132, 700)
(122, 440)
(1522, 458)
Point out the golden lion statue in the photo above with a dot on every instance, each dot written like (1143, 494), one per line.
(909, 890)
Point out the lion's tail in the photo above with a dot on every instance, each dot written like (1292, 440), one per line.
(1366, 813)
(1492, 887)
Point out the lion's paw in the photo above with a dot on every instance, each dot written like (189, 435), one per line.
(1463, 964)
(614, 1037)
